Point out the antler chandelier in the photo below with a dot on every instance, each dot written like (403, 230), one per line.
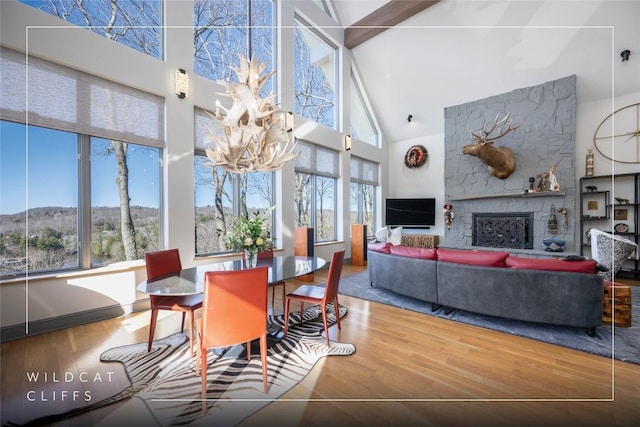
(253, 135)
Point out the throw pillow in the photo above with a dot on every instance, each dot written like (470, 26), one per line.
(410, 252)
(395, 238)
(382, 235)
(586, 266)
(472, 257)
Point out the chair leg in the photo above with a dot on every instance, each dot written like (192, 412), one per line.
(248, 350)
(326, 323)
(182, 326)
(263, 356)
(287, 306)
(191, 322)
(203, 361)
(336, 309)
(301, 310)
(152, 327)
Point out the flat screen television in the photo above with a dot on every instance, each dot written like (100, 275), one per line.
(418, 213)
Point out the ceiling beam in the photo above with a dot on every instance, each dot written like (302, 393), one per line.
(383, 18)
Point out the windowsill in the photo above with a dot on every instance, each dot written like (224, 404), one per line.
(117, 267)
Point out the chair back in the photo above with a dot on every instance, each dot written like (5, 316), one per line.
(234, 309)
(335, 269)
(266, 254)
(162, 263)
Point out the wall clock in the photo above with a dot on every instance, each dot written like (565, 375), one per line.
(618, 136)
(416, 156)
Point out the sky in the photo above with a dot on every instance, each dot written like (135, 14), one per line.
(43, 172)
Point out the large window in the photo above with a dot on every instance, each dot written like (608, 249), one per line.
(222, 195)
(315, 186)
(225, 28)
(364, 184)
(363, 128)
(315, 76)
(81, 182)
(134, 23)
(43, 218)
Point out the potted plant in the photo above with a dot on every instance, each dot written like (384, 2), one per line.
(248, 234)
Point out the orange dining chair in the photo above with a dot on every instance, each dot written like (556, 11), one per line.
(318, 295)
(162, 264)
(234, 312)
(268, 254)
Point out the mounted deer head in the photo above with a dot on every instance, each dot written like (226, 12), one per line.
(500, 160)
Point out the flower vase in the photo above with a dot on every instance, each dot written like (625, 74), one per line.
(251, 257)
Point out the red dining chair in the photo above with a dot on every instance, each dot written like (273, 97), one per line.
(234, 312)
(319, 295)
(268, 254)
(162, 264)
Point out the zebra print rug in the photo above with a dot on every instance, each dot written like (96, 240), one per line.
(165, 378)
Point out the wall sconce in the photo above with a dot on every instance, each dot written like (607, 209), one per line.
(409, 117)
(625, 55)
(347, 142)
(289, 121)
(182, 83)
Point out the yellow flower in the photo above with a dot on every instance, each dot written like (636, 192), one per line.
(259, 241)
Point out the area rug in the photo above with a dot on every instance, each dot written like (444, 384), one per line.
(623, 344)
(165, 390)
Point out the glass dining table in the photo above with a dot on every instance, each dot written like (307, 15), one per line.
(191, 280)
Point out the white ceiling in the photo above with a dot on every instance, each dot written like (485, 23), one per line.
(459, 51)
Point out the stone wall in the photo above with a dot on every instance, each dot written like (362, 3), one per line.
(546, 137)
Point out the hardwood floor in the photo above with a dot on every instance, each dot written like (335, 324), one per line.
(408, 369)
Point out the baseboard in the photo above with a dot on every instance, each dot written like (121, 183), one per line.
(17, 331)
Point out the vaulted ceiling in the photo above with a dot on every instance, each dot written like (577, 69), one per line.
(438, 54)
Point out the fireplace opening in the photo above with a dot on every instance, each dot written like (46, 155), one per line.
(503, 230)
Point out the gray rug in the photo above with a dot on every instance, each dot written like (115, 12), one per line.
(626, 340)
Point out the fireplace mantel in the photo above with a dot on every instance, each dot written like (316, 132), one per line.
(503, 195)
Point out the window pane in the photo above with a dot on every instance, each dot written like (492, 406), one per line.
(362, 126)
(134, 23)
(354, 200)
(39, 175)
(325, 209)
(214, 206)
(368, 203)
(125, 201)
(303, 200)
(315, 77)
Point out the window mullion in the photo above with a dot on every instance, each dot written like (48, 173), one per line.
(84, 201)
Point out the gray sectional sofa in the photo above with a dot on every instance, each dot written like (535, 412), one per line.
(552, 291)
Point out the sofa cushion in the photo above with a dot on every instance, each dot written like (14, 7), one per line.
(484, 258)
(382, 235)
(411, 252)
(585, 266)
(380, 247)
(395, 237)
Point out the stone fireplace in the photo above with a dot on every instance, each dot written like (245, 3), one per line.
(503, 230)
(546, 138)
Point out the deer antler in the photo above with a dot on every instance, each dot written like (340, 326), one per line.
(496, 124)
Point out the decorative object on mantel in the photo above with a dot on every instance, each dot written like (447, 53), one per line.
(542, 184)
(589, 165)
(253, 134)
(552, 222)
(448, 214)
(416, 156)
(553, 181)
(565, 219)
(532, 180)
(500, 160)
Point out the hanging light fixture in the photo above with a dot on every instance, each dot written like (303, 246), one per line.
(253, 136)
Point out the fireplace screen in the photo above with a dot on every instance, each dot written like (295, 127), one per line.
(503, 230)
